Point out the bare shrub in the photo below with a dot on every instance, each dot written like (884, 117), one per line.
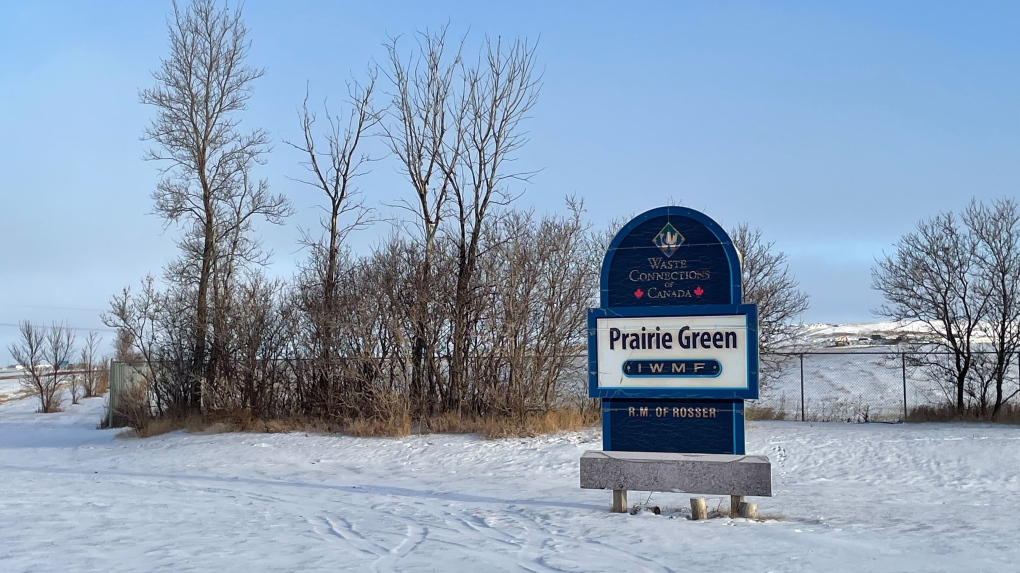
(45, 355)
(74, 384)
(532, 330)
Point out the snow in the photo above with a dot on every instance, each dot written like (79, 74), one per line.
(874, 497)
(10, 383)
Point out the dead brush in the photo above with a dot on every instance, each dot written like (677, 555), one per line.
(101, 379)
(755, 412)
(1008, 414)
(164, 425)
(509, 426)
(393, 427)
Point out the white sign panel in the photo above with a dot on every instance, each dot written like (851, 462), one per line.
(673, 352)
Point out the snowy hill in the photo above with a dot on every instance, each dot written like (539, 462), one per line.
(869, 334)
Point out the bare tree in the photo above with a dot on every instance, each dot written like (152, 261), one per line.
(45, 354)
(997, 230)
(207, 188)
(28, 352)
(334, 171)
(90, 376)
(422, 129)
(768, 282)
(932, 278)
(498, 93)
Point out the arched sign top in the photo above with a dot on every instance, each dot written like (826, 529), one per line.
(670, 256)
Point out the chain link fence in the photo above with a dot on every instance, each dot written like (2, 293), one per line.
(862, 385)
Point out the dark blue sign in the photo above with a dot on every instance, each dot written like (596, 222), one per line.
(676, 262)
(671, 256)
(678, 426)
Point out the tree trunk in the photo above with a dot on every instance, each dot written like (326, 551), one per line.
(202, 304)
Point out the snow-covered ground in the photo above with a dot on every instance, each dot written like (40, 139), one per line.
(849, 497)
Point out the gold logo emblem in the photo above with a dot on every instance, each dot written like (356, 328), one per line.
(668, 240)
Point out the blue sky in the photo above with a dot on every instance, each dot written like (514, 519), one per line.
(834, 127)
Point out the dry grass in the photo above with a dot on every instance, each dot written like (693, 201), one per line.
(1009, 414)
(158, 426)
(225, 422)
(134, 414)
(532, 424)
(392, 427)
(102, 381)
(755, 412)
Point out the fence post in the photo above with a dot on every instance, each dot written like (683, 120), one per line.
(903, 365)
(801, 386)
(111, 401)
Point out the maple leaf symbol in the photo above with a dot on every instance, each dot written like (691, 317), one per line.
(639, 293)
(699, 291)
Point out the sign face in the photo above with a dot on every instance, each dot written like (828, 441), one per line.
(673, 352)
(703, 352)
(671, 256)
(678, 426)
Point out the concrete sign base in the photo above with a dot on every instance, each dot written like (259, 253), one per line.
(708, 474)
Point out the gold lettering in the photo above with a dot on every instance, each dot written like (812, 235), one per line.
(630, 411)
(711, 412)
(643, 412)
(676, 412)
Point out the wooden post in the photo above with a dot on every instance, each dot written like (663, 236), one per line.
(748, 510)
(735, 501)
(699, 509)
(619, 501)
